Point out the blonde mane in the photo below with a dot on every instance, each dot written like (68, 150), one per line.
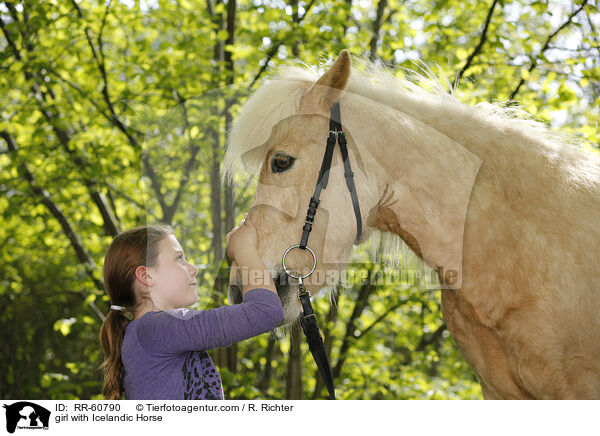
(424, 95)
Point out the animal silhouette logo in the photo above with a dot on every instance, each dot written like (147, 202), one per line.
(25, 414)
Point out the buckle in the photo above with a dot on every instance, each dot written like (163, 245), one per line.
(305, 292)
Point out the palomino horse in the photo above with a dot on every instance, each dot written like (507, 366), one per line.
(509, 207)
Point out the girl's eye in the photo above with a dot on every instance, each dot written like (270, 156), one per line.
(281, 163)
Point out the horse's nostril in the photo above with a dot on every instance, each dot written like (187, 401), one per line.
(282, 279)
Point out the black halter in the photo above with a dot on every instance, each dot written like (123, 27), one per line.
(335, 132)
(308, 319)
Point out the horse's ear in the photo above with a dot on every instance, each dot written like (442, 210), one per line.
(328, 88)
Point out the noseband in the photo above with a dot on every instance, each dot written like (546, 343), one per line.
(308, 319)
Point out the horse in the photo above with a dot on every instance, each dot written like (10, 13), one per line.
(506, 209)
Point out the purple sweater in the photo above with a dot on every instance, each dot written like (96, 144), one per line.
(164, 352)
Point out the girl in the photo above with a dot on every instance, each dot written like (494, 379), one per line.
(156, 348)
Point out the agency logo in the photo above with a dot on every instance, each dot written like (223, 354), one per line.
(26, 415)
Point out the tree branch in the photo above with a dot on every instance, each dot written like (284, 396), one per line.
(381, 317)
(381, 5)
(365, 291)
(479, 46)
(274, 47)
(46, 199)
(545, 47)
(187, 169)
(115, 119)
(64, 137)
(431, 338)
(132, 200)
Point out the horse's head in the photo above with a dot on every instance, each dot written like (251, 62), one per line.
(291, 160)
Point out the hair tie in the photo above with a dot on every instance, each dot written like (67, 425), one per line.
(126, 312)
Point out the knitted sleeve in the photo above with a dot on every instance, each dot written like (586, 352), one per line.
(180, 330)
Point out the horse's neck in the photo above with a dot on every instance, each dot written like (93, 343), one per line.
(446, 162)
(431, 176)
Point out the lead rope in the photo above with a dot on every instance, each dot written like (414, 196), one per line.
(308, 319)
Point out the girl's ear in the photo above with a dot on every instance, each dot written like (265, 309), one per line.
(142, 274)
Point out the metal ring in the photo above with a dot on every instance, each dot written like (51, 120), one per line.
(288, 272)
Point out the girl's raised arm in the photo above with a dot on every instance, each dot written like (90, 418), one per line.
(180, 330)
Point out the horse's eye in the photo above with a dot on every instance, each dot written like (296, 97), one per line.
(281, 163)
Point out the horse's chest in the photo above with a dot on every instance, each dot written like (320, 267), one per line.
(482, 349)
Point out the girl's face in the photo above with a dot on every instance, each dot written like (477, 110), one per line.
(174, 279)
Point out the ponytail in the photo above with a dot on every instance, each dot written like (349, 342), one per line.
(127, 251)
(111, 337)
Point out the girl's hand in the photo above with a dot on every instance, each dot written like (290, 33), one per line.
(242, 239)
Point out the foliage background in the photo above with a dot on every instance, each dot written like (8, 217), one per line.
(90, 90)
